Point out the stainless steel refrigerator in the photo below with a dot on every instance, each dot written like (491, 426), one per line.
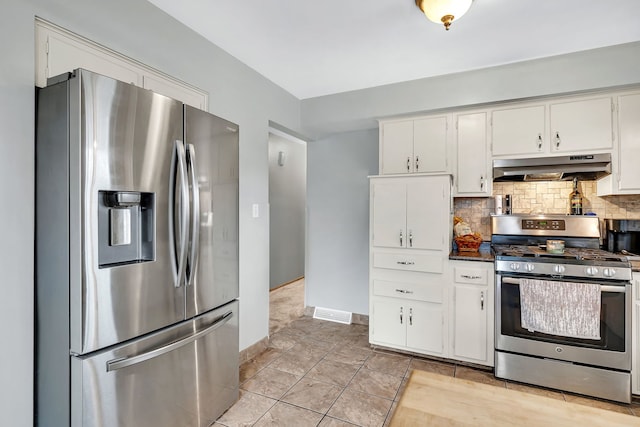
(136, 257)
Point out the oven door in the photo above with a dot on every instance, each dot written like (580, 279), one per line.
(612, 350)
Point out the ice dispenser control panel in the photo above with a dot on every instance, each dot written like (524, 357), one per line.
(126, 229)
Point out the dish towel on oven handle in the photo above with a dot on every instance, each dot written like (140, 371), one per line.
(560, 308)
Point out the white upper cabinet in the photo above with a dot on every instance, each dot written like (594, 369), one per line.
(516, 131)
(629, 142)
(414, 145)
(430, 144)
(409, 213)
(472, 175)
(625, 177)
(396, 147)
(564, 126)
(581, 125)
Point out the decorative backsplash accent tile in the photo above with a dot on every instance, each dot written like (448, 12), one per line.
(551, 197)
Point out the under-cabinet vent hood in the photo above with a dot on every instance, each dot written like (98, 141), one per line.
(585, 167)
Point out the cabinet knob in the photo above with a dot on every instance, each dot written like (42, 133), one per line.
(482, 300)
(401, 315)
(482, 183)
(408, 164)
(401, 238)
(417, 163)
(558, 140)
(411, 317)
(539, 141)
(410, 239)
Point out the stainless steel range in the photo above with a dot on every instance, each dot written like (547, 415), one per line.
(563, 317)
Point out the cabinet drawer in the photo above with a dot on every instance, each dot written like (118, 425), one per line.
(409, 262)
(412, 291)
(477, 276)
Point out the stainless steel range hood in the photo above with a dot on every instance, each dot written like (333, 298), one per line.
(586, 167)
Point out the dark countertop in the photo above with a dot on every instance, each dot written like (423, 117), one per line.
(484, 254)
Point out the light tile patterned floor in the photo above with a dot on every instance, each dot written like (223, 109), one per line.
(318, 373)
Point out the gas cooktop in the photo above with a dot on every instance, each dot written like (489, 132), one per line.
(539, 251)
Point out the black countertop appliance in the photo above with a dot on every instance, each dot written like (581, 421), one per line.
(622, 236)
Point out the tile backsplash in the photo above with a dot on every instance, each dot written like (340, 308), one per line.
(543, 197)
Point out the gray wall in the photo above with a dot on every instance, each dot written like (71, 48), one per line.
(592, 69)
(337, 269)
(287, 201)
(138, 29)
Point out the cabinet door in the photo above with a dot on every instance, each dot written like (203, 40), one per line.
(397, 147)
(430, 144)
(427, 203)
(389, 203)
(470, 322)
(424, 327)
(629, 136)
(472, 167)
(518, 131)
(583, 125)
(388, 321)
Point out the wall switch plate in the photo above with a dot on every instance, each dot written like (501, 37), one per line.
(255, 210)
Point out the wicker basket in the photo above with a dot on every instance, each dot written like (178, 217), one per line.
(469, 242)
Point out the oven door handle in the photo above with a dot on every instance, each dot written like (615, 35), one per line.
(603, 288)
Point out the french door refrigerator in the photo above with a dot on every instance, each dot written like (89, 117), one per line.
(136, 257)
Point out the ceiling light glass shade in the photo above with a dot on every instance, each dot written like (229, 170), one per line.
(444, 11)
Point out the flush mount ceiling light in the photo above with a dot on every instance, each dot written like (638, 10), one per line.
(444, 11)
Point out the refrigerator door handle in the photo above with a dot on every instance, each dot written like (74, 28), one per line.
(115, 364)
(195, 215)
(179, 263)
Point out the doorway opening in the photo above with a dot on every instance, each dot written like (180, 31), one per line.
(287, 227)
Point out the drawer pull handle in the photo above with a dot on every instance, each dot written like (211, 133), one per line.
(467, 276)
(404, 291)
(405, 262)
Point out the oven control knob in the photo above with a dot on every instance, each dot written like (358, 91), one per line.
(591, 271)
(514, 266)
(558, 269)
(529, 267)
(609, 272)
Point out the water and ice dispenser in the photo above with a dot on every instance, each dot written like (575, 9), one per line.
(126, 227)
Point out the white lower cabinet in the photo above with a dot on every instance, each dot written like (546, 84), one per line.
(472, 291)
(411, 325)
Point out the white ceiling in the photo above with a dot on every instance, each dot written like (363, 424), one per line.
(315, 48)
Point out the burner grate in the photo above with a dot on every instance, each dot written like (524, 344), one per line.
(586, 254)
